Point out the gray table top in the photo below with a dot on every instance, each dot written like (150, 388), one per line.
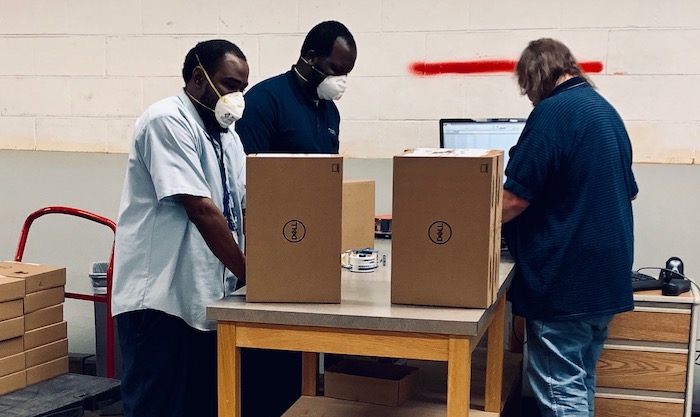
(365, 304)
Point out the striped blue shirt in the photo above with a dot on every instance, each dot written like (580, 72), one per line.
(573, 245)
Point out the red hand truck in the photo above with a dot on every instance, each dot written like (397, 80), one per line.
(88, 297)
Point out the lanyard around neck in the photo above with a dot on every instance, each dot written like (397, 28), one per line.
(231, 218)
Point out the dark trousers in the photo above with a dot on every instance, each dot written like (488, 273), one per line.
(270, 382)
(168, 367)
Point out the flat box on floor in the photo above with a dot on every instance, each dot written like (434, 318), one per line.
(358, 214)
(446, 227)
(293, 228)
(370, 382)
(47, 370)
(36, 277)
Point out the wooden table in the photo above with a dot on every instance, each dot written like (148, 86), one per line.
(364, 323)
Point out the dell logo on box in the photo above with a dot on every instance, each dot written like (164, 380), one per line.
(294, 231)
(440, 232)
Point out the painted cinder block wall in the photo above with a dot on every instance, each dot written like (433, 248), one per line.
(77, 73)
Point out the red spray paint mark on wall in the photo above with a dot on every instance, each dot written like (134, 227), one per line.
(481, 67)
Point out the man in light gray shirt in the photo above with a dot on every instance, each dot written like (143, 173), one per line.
(179, 236)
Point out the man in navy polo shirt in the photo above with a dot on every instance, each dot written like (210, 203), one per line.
(568, 214)
(294, 112)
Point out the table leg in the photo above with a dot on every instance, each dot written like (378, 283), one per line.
(494, 358)
(309, 373)
(229, 371)
(458, 377)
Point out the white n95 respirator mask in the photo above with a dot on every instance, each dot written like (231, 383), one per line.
(332, 87)
(229, 107)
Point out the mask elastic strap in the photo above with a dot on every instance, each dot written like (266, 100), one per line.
(199, 102)
(207, 75)
(313, 68)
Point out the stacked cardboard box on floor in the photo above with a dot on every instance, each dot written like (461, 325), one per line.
(293, 228)
(446, 227)
(12, 373)
(45, 334)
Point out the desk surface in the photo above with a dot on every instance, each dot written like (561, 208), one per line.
(365, 304)
(655, 296)
(61, 393)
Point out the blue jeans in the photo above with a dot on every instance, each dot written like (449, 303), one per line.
(562, 357)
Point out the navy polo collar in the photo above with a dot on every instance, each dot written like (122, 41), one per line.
(568, 85)
(296, 88)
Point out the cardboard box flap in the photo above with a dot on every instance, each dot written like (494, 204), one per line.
(37, 277)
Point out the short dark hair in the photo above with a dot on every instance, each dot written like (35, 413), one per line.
(210, 53)
(542, 63)
(322, 37)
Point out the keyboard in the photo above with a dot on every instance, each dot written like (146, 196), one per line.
(642, 282)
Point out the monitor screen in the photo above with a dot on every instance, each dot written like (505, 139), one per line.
(500, 134)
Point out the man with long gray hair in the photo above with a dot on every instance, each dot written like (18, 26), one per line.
(568, 223)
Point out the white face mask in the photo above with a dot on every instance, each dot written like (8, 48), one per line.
(332, 87)
(229, 108)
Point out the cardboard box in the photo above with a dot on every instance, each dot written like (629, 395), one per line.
(47, 370)
(446, 227)
(44, 298)
(358, 215)
(11, 288)
(46, 353)
(45, 335)
(36, 277)
(293, 231)
(43, 317)
(11, 328)
(13, 382)
(11, 309)
(12, 346)
(370, 382)
(12, 364)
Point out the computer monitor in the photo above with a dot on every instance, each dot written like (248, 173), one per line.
(501, 134)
